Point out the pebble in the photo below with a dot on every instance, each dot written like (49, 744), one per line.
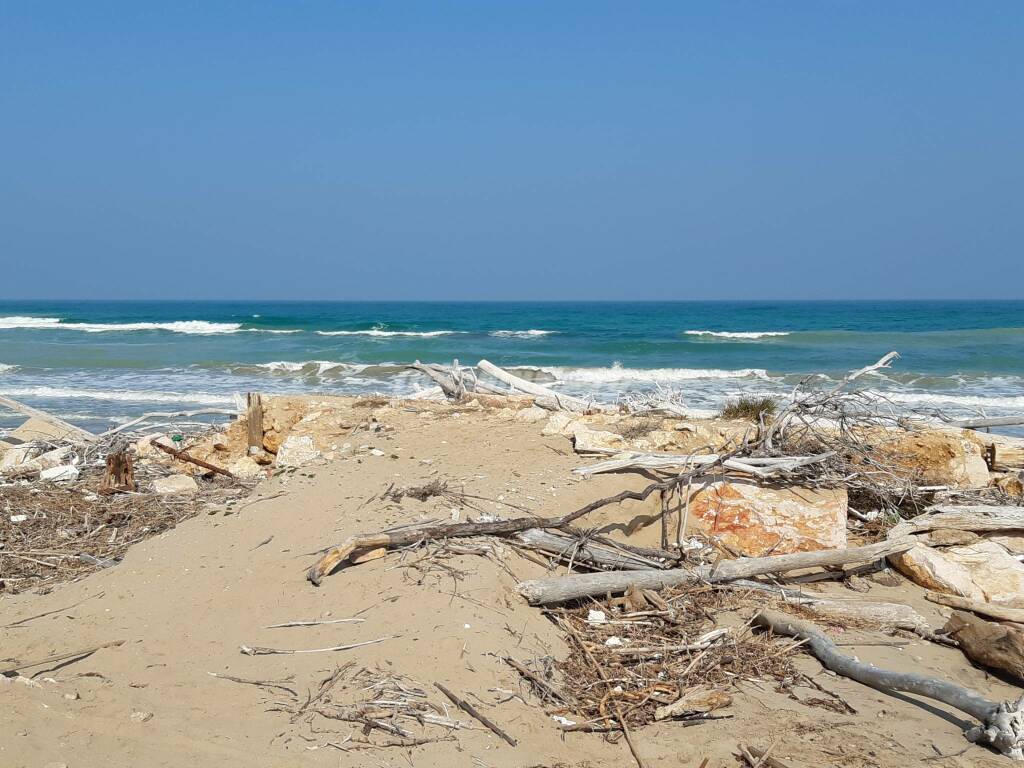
(141, 717)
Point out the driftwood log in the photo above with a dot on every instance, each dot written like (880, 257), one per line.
(966, 518)
(1002, 724)
(980, 607)
(184, 456)
(564, 588)
(74, 434)
(564, 402)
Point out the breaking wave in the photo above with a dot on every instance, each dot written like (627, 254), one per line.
(651, 375)
(938, 400)
(199, 327)
(4, 367)
(134, 396)
(382, 333)
(530, 334)
(317, 367)
(737, 334)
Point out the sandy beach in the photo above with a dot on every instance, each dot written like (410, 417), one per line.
(183, 603)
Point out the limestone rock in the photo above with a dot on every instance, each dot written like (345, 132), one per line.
(587, 440)
(297, 451)
(558, 424)
(144, 447)
(272, 441)
(755, 520)
(1013, 541)
(18, 455)
(175, 484)
(246, 468)
(532, 414)
(981, 571)
(990, 643)
(936, 457)
(1011, 485)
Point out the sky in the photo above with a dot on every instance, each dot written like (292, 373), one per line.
(511, 150)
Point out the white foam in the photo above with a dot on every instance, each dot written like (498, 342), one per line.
(60, 393)
(5, 367)
(530, 334)
(177, 326)
(617, 374)
(383, 333)
(309, 366)
(938, 399)
(737, 334)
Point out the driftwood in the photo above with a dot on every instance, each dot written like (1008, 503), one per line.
(74, 434)
(584, 551)
(119, 476)
(992, 610)
(845, 612)
(254, 422)
(469, 709)
(54, 658)
(184, 456)
(760, 467)
(966, 518)
(165, 415)
(989, 643)
(1002, 724)
(561, 589)
(564, 402)
(335, 556)
(998, 421)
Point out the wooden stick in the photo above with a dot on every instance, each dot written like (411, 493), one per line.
(469, 709)
(993, 610)
(255, 650)
(57, 657)
(183, 456)
(1002, 724)
(74, 433)
(541, 685)
(561, 589)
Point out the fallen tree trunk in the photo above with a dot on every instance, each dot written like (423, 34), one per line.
(74, 433)
(1002, 724)
(564, 402)
(561, 589)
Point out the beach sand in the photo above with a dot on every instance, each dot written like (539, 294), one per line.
(186, 601)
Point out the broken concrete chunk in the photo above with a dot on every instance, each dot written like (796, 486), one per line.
(62, 474)
(175, 484)
(756, 520)
(981, 571)
(297, 451)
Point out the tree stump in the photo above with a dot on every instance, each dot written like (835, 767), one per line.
(120, 474)
(254, 419)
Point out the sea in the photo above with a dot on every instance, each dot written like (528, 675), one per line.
(99, 363)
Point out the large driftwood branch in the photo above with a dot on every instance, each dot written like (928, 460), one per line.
(967, 518)
(1000, 421)
(565, 402)
(992, 610)
(760, 467)
(586, 551)
(74, 433)
(1002, 724)
(561, 589)
(188, 459)
(335, 556)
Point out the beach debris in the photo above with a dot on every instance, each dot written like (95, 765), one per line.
(17, 665)
(175, 485)
(255, 650)
(140, 716)
(469, 709)
(992, 644)
(182, 455)
(296, 451)
(1001, 723)
(119, 476)
(61, 474)
(564, 588)
(698, 700)
(982, 608)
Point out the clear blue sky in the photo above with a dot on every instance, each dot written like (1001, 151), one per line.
(486, 150)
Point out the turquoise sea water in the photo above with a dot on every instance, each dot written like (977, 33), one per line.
(97, 362)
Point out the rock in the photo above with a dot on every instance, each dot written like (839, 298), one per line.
(756, 520)
(18, 455)
(55, 457)
(144, 447)
(246, 468)
(989, 643)
(141, 717)
(175, 484)
(271, 441)
(587, 440)
(948, 537)
(531, 415)
(558, 424)
(981, 571)
(936, 457)
(1014, 543)
(62, 474)
(1011, 485)
(297, 451)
